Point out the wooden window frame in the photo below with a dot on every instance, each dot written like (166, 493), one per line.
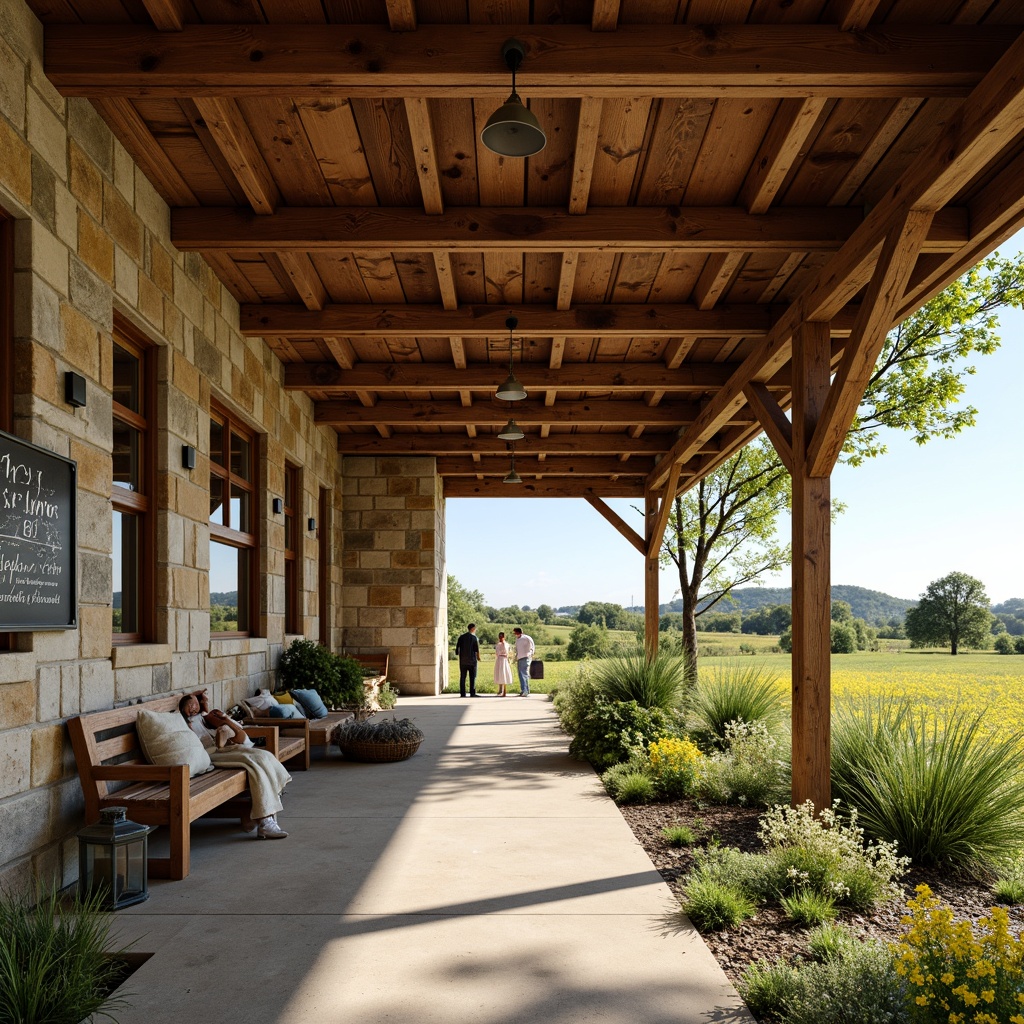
(292, 555)
(140, 503)
(323, 570)
(227, 535)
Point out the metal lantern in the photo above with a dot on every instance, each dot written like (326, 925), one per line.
(112, 857)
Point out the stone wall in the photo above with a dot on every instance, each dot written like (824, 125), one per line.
(393, 568)
(92, 243)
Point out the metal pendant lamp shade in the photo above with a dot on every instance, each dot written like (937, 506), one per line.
(513, 477)
(511, 390)
(512, 130)
(511, 432)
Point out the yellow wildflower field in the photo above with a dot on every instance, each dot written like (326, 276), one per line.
(980, 681)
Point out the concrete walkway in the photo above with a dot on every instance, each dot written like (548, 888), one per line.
(486, 879)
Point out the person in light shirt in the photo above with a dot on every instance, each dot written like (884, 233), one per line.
(525, 650)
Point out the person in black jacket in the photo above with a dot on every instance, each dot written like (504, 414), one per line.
(467, 647)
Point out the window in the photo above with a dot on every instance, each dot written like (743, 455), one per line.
(291, 542)
(233, 541)
(130, 496)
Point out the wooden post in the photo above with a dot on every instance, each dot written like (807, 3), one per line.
(811, 576)
(651, 565)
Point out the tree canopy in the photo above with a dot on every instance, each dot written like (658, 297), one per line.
(952, 610)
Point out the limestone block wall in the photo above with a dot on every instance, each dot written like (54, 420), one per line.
(92, 240)
(393, 568)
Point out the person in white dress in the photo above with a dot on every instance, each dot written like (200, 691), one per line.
(502, 669)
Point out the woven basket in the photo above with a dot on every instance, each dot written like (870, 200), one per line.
(374, 750)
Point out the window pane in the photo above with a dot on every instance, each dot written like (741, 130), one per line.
(126, 573)
(217, 500)
(127, 446)
(217, 443)
(241, 457)
(241, 515)
(225, 591)
(127, 390)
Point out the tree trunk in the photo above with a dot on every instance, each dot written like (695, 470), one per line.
(952, 647)
(689, 633)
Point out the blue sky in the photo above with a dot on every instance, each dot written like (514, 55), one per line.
(913, 514)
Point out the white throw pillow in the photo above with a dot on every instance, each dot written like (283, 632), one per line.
(262, 701)
(166, 739)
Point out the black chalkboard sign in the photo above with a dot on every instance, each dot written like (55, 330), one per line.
(38, 556)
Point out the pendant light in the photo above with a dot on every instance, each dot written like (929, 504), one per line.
(512, 130)
(511, 390)
(513, 477)
(511, 432)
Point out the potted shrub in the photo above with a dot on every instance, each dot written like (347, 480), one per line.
(306, 665)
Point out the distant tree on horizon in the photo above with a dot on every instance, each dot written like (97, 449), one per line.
(953, 610)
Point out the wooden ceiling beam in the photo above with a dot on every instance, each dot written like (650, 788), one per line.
(626, 320)
(401, 15)
(574, 445)
(494, 413)
(563, 61)
(989, 121)
(535, 377)
(563, 487)
(853, 15)
(531, 465)
(605, 16)
(536, 229)
(166, 15)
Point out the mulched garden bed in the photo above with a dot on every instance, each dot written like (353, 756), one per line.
(768, 934)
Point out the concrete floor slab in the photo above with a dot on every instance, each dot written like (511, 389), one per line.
(488, 878)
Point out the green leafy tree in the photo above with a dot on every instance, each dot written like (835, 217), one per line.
(588, 642)
(464, 606)
(1004, 644)
(952, 610)
(545, 613)
(843, 638)
(721, 533)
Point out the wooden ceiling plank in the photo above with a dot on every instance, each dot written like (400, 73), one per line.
(676, 351)
(883, 297)
(618, 522)
(605, 17)
(490, 487)
(166, 15)
(587, 128)
(334, 139)
(421, 131)
(854, 15)
(401, 15)
(790, 129)
(527, 413)
(126, 123)
(898, 118)
(229, 131)
(565, 60)
(496, 230)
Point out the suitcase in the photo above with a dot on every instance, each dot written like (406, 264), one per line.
(536, 669)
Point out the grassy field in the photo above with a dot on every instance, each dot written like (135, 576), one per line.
(979, 679)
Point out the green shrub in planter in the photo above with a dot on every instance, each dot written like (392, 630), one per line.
(349, 689)
(55, 964)
(307, 665)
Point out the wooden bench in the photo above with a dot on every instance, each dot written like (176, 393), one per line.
(107, 750)
(318, 730)
(377, 663)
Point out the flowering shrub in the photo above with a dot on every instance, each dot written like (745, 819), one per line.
(827, 855)
(958, 973)
(613, 730)
(747, 771)
(674, 765)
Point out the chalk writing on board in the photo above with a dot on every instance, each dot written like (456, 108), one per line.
(37, 535)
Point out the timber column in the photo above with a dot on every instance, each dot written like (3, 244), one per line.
(812, 614)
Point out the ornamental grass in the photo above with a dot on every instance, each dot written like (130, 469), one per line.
(946, 790)
(630, 676)
(734, 691)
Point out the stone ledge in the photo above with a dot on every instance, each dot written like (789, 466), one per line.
(137, 655)
(233, 646)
